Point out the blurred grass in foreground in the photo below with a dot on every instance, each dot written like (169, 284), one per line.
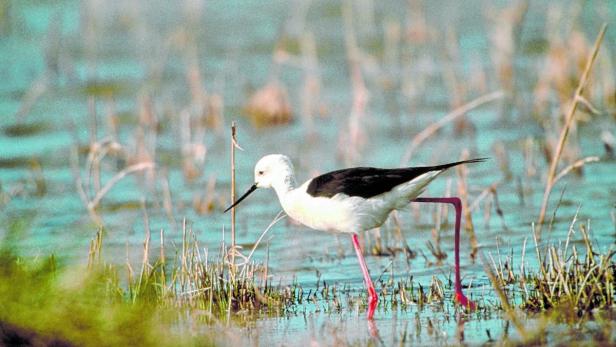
(76, 307)
(43, 302)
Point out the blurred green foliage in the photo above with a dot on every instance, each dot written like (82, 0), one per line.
(45, 303)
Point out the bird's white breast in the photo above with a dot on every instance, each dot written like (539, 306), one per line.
(339, 213)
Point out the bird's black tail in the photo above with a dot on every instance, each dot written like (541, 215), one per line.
(447, 166)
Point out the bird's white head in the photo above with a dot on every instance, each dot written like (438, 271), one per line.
(274, 170)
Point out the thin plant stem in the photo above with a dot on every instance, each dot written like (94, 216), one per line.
(281, 215)
(115, 179)
(434, 127)
(551, 178)
(233, 141)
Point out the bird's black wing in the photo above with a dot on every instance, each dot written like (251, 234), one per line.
(367, 182)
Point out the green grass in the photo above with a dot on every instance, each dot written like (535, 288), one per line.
(80, 307)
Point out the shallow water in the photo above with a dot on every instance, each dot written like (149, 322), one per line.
(67, 67)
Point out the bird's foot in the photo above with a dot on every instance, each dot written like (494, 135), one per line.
(464, 301)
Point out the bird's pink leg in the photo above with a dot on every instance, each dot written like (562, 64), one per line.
(373, 298)
(457, 204)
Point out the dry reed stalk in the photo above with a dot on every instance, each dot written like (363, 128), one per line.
(231, 263)
(37, 177)
(129, 268)
(233, 146)
(93, 120)
(111, 118)
(530, 160)
(391, 77)
(565, 130)
(502, 157)
(353, 138)
(442, 210)
(94, 252)
(440, 214)
(391, 52)
(192, 134)
(454, 83)
(408, 252)
(115, 179)
(522, 270)
(576, 165)
(505, 38)
(74, 159)
(205, 202)
(167, 200)
(145, 264)
(162, 261)
(97, 152)
(434, 127)
(146, 132)
(34, 92)
(92, 191)
(312, 82)
(281, 215)
(487, 213)
(489, 190)
(377, 247)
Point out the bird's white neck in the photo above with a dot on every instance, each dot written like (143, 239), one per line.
(284, 186)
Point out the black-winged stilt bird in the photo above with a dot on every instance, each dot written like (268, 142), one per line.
(353, 200)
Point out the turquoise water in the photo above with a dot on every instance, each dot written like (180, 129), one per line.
(74, 71)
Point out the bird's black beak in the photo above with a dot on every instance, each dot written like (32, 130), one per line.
(252, 189)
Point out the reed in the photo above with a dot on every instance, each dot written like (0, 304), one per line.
(552, 175)
(449, 117)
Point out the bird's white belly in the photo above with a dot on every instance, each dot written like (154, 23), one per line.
(339, 213)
